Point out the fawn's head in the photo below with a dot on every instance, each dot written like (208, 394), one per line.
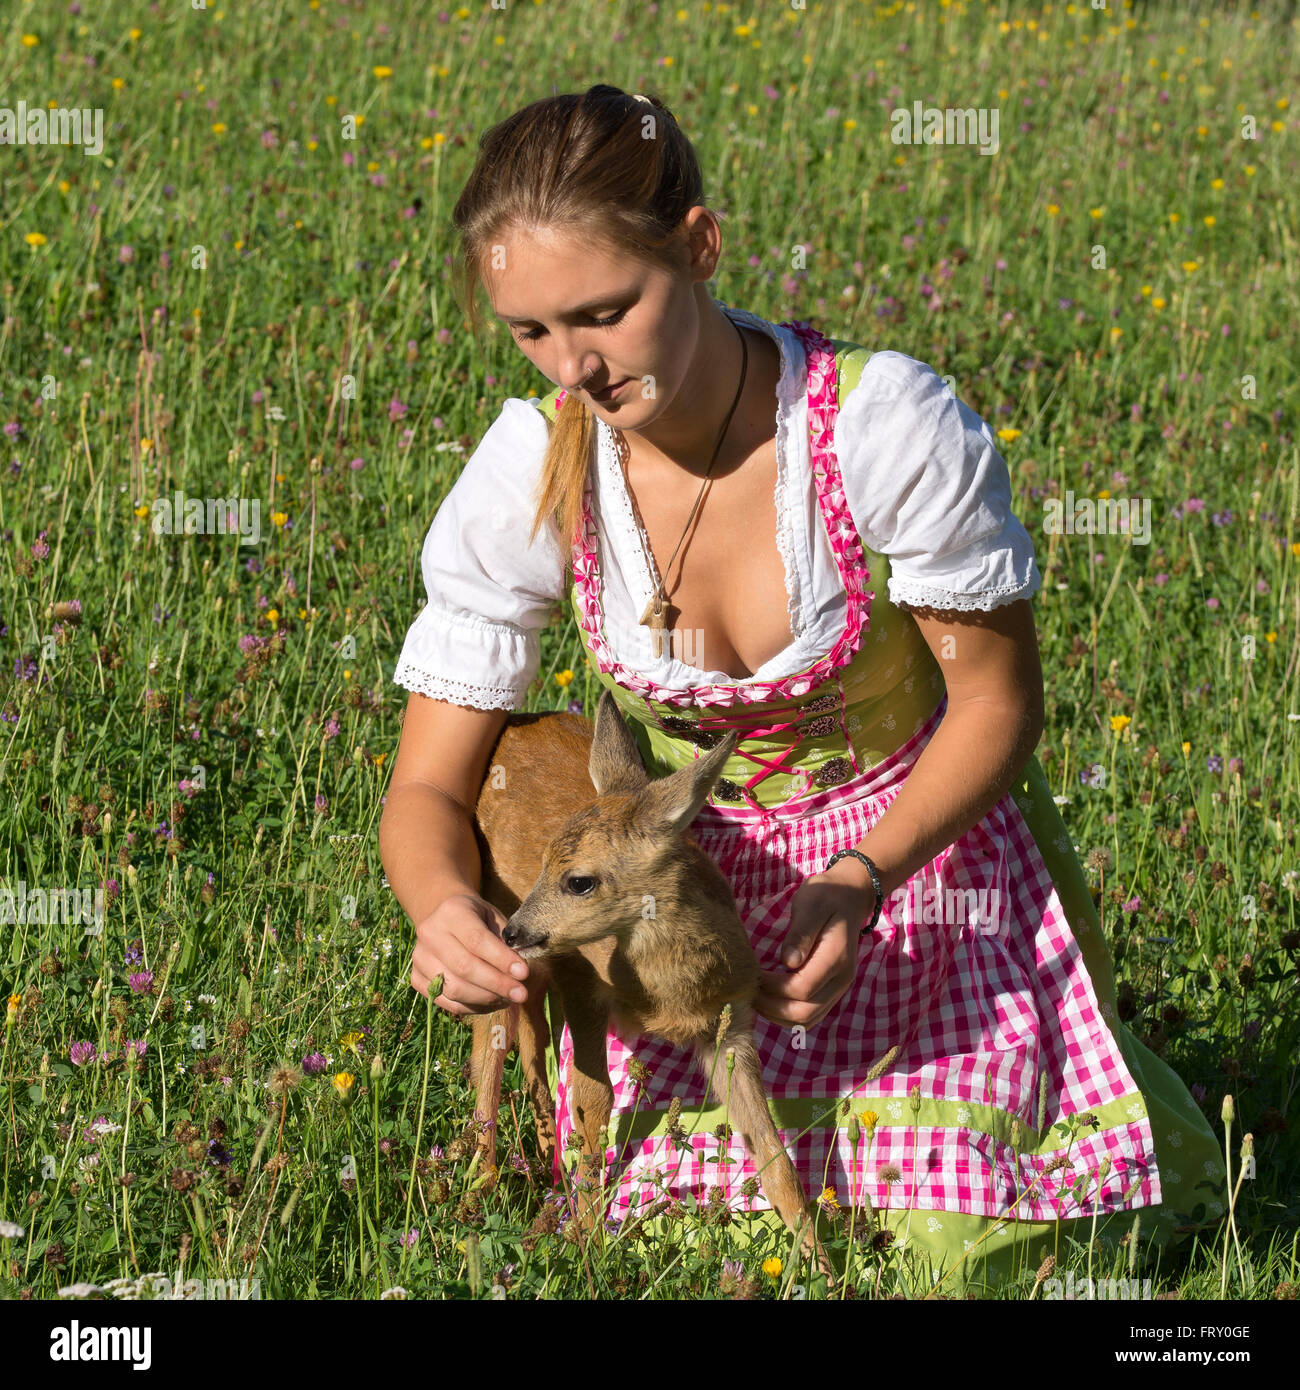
(625, 847)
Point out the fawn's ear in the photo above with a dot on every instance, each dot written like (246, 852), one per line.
(615, 763)
(673, 802)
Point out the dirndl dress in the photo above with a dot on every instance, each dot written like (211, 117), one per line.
(1016, 1102)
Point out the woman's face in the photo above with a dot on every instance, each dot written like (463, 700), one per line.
(572, 306)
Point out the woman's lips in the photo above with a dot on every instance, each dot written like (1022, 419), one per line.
(610, 392)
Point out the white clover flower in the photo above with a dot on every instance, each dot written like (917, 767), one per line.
(10, 1230)
(79, 1290)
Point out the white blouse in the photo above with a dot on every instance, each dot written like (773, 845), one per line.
(922, 476)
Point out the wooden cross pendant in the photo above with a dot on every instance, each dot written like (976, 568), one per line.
(655, 617)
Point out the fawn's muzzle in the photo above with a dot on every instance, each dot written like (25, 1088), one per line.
(523, 938)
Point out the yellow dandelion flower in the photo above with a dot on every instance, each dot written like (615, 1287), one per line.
(562, 678)
(1104, 493)
(35, 238)
(135, 34)
(343, 1083)
(142, 511)
(439, 138)
(219, 128)
(1146, 290)
(313, 145)
(427, 143)
(869, 1120)
(1187, 747)
(1210, 220)
(827, 1201)
(1053, 209)
(382, 72)
(1095, 214)
(378, 759)
(1190, 266)
(64, 186)
(1295, 549)
(30, 40)
(349, 1041)
(272, 614)
(1119, 722)
(118, 84)
(1157, 303)
(1216, 183)
(279, 518)
(850, 124)
(146, 445)
(1008, 435)
(1270, 637)
(360, 118)
(772, 1267)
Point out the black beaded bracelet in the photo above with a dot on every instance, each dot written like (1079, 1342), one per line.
(875, 883)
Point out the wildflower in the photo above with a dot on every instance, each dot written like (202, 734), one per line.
(1098, 860)
(312, 1063)
(350, 1040)
(890, 1173)
(284, 1079)
(140, 981)
(828, 1201)
(81, 1052)
(869, 1120)
(11, 1011)
(772, 1267)
(343, 1082)
(10, 1230)
(1228, 1112)
(1119, 722)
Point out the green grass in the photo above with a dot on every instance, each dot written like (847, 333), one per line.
(129, 374)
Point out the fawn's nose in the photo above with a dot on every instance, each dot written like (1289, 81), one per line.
(519, 938)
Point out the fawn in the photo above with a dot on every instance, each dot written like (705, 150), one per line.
(572, 871)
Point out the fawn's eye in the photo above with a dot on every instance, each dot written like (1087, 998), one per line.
(580, 885)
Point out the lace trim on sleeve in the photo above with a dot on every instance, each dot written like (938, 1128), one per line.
(911, 593)
(456, 692)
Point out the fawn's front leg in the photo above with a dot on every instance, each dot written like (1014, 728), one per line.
(747, 1103)
(591, 1097)
(533, 1039)
(493, 1035)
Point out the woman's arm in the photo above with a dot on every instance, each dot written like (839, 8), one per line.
(992, 725)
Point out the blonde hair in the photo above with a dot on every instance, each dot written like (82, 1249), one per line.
(606, 166)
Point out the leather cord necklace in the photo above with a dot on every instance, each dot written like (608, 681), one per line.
(655, 615)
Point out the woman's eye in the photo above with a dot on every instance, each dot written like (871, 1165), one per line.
(600, 323)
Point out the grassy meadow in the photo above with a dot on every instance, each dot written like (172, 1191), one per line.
(246, 292)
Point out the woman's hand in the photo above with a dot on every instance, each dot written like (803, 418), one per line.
(460, 940)
(827, 914)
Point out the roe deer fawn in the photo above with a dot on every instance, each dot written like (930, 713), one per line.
(572, 868)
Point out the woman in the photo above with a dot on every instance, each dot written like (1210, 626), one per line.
(815, 547)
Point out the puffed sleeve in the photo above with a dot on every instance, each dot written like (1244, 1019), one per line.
(476, 641)
(927, 487)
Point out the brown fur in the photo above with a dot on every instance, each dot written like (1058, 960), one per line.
(656, 942)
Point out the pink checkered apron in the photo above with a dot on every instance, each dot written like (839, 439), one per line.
(996, 1023)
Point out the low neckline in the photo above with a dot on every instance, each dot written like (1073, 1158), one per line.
(852, 607)
(646, 570)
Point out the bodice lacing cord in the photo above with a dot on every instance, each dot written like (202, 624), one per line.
(811, 721)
